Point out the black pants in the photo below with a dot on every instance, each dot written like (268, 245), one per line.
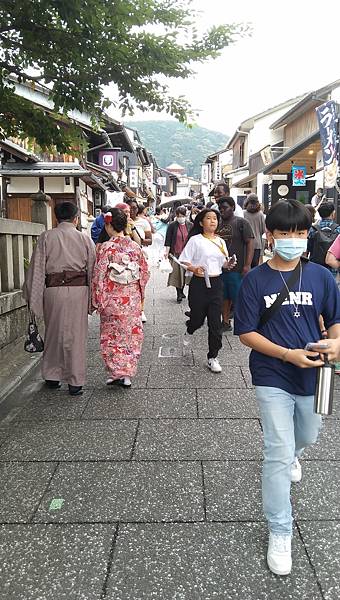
(206, 302)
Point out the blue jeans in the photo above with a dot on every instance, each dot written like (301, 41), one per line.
(289, 424)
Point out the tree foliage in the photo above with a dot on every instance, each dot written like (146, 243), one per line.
(77, 47)
(170, 141)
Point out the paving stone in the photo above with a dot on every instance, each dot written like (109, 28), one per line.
(203, 562)
(189, 377)
(317, 497)
(4, 433)
(233, 491)
(151, 357)
(117, 403)
(98, 378)
(52, 562)
(328, 445)
(247, 377)
(336, 405)
(70, 440)
(227, 404)
(153, 491)
(322, 541)
(22, 485)
(227, 358)
(54, 405)
(198, 439)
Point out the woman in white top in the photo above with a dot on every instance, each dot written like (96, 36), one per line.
(204, 255)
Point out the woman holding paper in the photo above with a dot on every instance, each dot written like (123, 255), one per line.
(176, 237)
(205, 255)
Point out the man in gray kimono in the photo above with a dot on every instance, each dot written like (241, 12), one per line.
(58, 287)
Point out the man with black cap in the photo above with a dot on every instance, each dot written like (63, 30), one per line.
(57, 287)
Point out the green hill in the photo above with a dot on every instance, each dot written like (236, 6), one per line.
(170, 141)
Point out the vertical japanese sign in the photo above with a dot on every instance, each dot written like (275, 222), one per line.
(133, 178)
(205, 173)
(326, 114)
(298, 175)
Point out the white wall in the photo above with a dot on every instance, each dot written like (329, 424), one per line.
(23, 185)
(57, 185)
(261, 135)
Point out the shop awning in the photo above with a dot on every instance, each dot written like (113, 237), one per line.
(304, 154)
(43, 170)
(245, 180)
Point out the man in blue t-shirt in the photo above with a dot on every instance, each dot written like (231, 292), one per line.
(284, 374)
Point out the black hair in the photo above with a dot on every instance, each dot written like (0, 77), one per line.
(158, 210)
(65, 211)
(181, 210)
(288, 215)
(103, 236)
(225, 187)
(118, 222)
(197, 227)
(326, 209)
(209, 204)
(226, 200)
(106, 209)
(311, 209)
(252, 204)
(140, 208)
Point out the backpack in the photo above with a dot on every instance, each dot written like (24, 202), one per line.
(322, 240)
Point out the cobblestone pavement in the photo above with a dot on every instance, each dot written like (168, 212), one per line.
(154, 492)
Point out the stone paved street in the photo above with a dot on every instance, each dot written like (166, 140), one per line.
(154, 492)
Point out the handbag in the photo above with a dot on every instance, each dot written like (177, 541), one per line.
(165, 266)
(33, 342)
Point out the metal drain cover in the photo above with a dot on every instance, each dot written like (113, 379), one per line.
(170, 352)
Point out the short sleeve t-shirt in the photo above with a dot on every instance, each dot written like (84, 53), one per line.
(318, 296)
(202, 252)
(335, 248)
(235, 234)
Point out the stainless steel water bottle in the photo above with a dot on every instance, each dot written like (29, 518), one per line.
(323, 404)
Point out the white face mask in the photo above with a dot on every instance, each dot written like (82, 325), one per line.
(181, 220)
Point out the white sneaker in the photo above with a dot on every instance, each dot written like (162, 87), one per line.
(144, 319)
(295, 471)
(186, 339)
(279, 555)
(214, 365)
(126, 382)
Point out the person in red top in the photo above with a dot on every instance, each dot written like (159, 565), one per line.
(176, 237)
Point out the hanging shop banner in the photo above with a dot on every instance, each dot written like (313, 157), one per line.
(299, 175)
(326, 114)
(108, 159)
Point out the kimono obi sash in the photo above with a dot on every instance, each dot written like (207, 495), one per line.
(125, 272)
(66, 278)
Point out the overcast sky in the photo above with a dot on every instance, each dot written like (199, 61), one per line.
(294, 49)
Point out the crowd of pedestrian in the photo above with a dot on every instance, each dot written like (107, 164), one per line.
(277, 305)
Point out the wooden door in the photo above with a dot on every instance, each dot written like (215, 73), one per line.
(19, 208)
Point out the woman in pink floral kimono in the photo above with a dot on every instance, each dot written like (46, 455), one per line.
(119, 279)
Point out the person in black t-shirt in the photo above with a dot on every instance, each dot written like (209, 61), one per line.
(239, 238)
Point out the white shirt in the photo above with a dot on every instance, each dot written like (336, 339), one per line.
(238, 212)
(202, 252)
(142, 225)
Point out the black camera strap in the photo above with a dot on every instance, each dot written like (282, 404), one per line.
(283, 295)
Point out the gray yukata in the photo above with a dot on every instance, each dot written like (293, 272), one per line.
(65, 309)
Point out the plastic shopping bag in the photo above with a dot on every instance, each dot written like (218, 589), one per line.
(165, 266)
